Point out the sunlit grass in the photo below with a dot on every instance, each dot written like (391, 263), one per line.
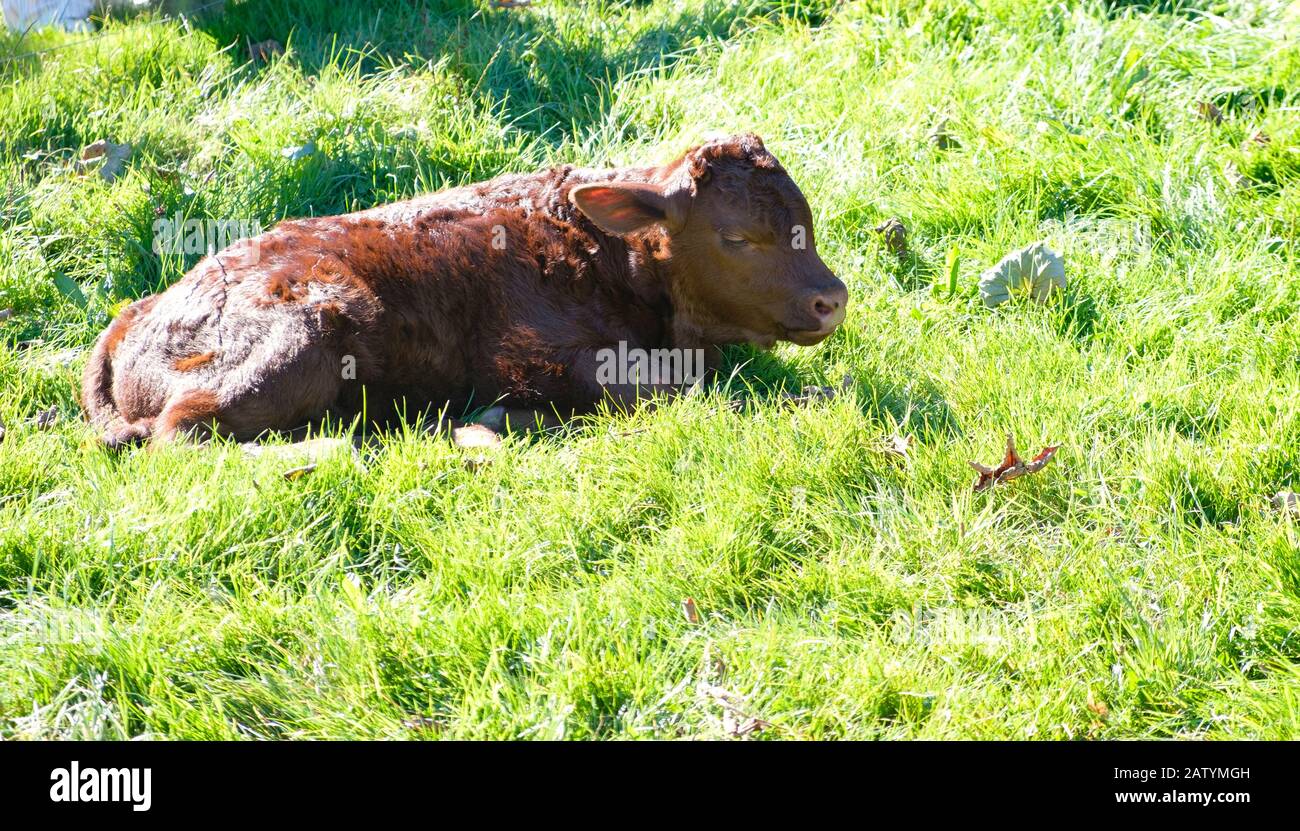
(1140, 586)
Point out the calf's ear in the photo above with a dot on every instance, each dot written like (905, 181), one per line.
(623, 207)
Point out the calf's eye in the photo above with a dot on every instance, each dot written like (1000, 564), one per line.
(734, 240)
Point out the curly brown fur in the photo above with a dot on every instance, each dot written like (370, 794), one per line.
(499, 292)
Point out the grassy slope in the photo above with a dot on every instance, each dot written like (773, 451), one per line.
(1140, 586)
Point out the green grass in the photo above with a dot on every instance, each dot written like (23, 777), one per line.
(1140, 586)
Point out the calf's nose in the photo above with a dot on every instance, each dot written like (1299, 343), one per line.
(827, 305)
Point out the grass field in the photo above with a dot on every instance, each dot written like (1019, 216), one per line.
(1140, 586)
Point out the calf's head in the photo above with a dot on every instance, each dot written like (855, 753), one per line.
(735, 235)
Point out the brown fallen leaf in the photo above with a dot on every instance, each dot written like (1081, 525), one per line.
(264, 50)
(45, 419)
(690, 611)
(895, 235)
(299, 472)
(1207, 111)
(1012, 467)
(107, 158)
(1097, 708)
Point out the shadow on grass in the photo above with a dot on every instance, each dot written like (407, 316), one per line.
(917, 406)
(545, 73)
(1077, 316)
(910, 270)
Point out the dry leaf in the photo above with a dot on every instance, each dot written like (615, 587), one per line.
(45, 419)
(1012, 467)
(1260, 139)
(1097, 708)
(299, 472)
(1286, 502)
(1207, 111)
(1035, 269)
(109, 158)
(895, 235)
(690, 611)
(264, 50)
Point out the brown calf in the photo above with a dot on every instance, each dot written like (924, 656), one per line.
(506, 292)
